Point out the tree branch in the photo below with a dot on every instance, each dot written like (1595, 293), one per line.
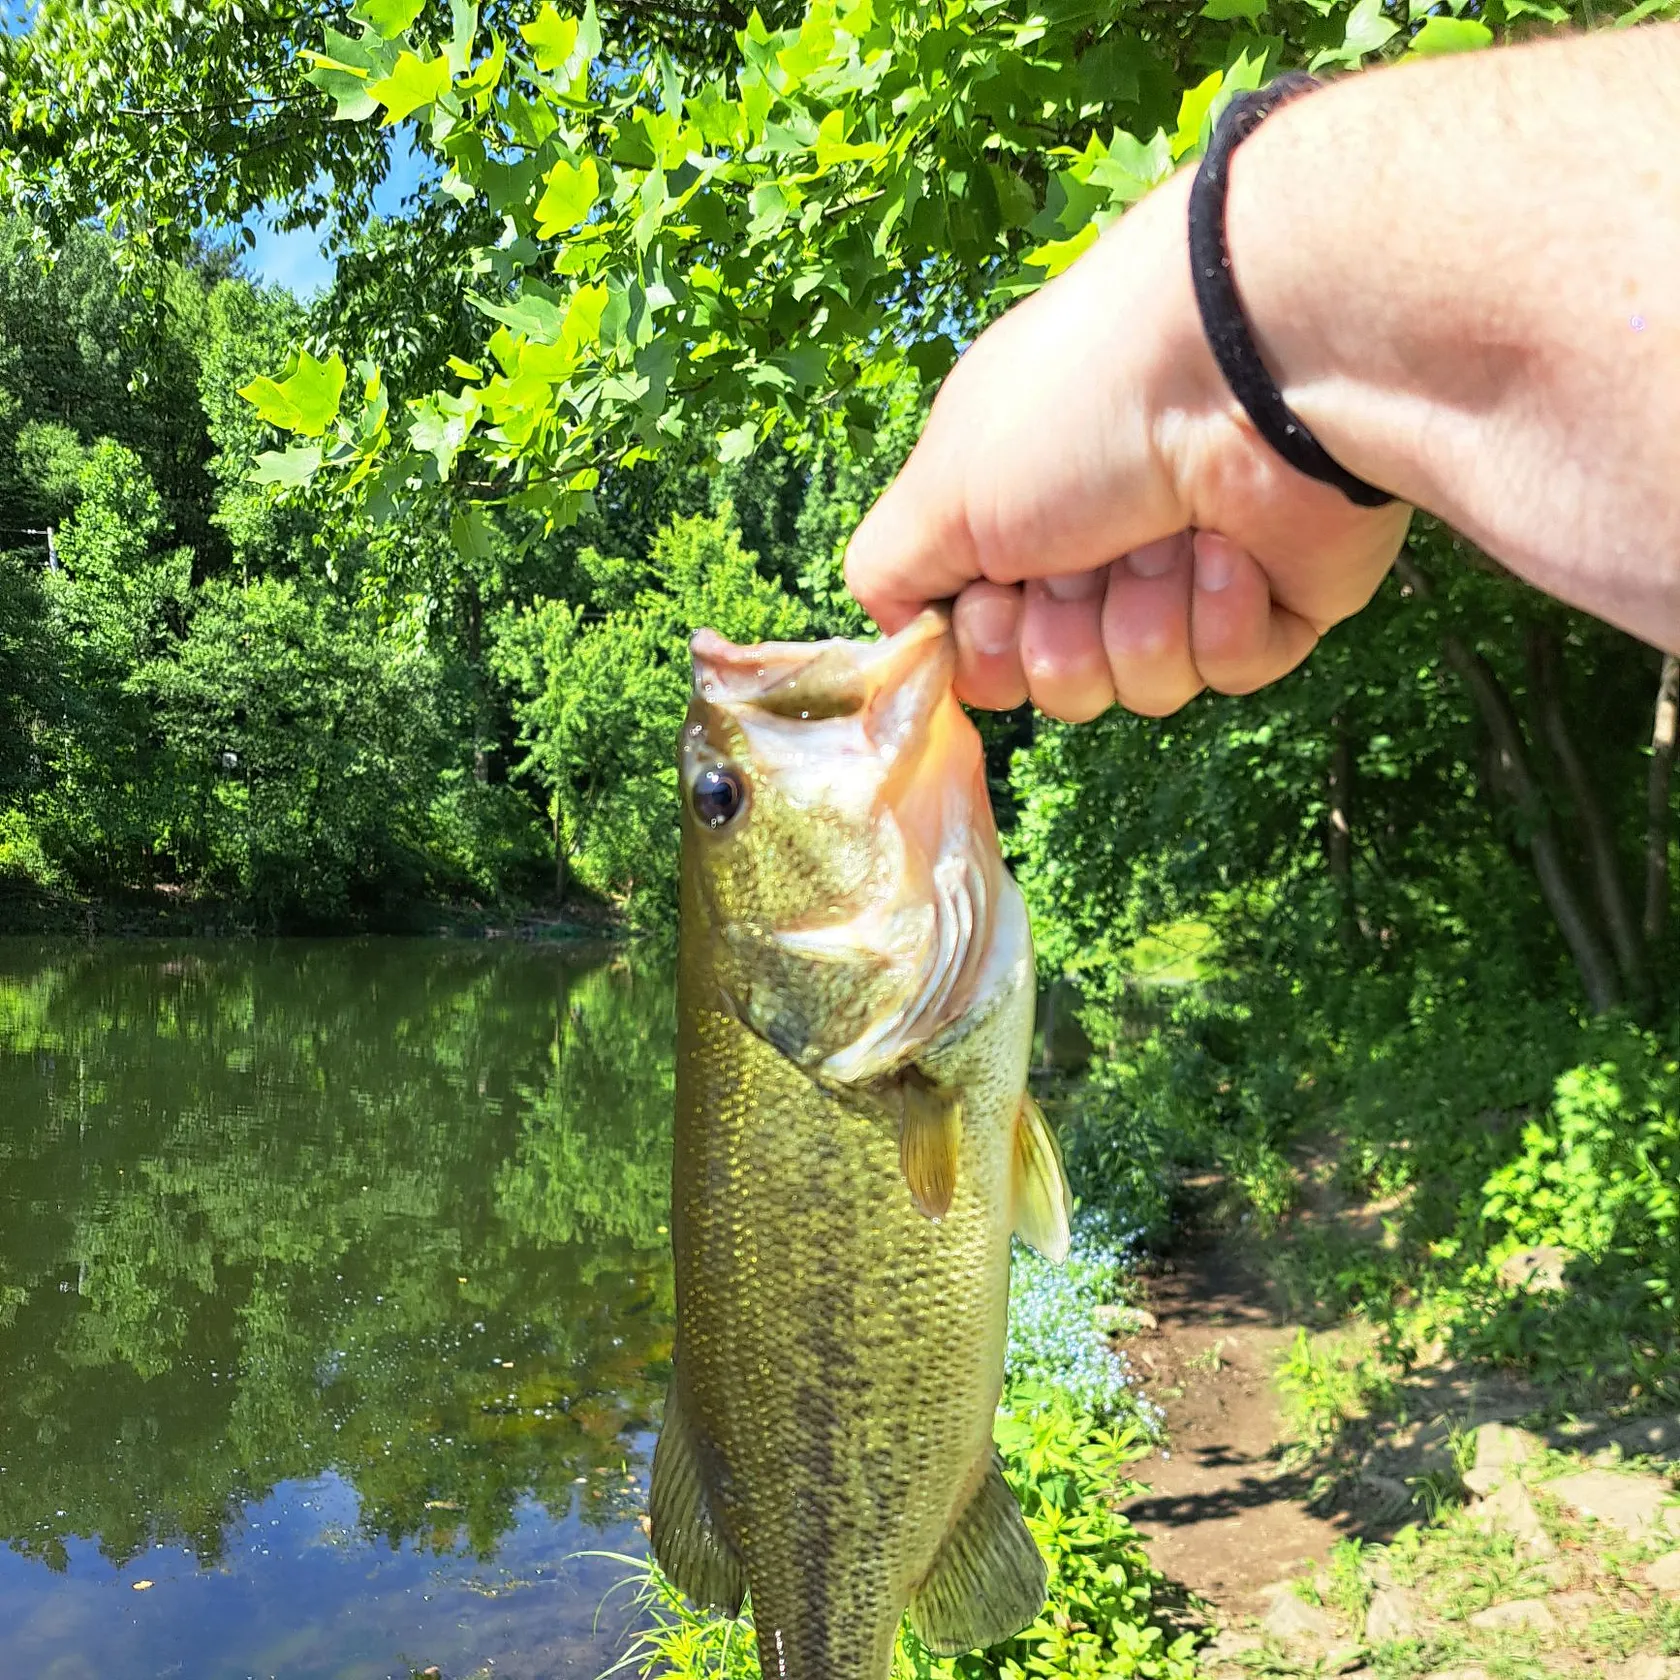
(1539, 833)
(1546, 679)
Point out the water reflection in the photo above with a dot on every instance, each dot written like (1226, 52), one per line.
(363, 1241)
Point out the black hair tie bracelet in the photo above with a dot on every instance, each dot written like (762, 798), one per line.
(1223, 321)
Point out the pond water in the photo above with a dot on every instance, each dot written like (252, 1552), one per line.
(335, 1306)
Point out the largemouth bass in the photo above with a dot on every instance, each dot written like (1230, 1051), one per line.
(854, 1146)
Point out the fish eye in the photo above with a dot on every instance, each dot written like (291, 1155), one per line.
(718, 795)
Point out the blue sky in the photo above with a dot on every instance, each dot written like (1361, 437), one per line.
(295, 259)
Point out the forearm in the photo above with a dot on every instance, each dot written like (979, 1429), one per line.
(1465, 274)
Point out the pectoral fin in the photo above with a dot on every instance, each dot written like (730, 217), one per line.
(1043, 1205)
(686, 1540)
(987, 1582)
(929, 1135)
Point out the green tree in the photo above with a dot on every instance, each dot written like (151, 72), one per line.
(600, 690)
(303, 745)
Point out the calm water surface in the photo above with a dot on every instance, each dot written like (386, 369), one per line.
(335, 1306)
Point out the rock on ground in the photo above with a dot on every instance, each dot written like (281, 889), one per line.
(1634, 1503)
(1647, 1667)
(1509, 1507)
(1576, 1606)
(1517, 1613)
(1651, 1437)
(1295, 1622)
(1499, 1446)
(1391, 1614)
(1664, 1573)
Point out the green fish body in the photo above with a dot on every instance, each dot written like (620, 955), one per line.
(854, 1147)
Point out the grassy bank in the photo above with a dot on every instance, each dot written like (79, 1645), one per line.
(171, 913)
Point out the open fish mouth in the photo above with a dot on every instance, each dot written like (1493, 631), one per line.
(896, 682)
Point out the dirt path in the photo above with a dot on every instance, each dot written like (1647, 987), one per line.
(1224, 1518)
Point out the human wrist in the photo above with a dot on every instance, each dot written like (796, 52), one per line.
(1309, 218)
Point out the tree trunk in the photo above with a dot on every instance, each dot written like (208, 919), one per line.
(1338, 841)
(1664, 732)
(1546, 679)
(559, 856)
(1516, 775)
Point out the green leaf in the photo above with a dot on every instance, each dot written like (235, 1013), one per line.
(833, 147)
(1223, 11)
(463, 26)
(738, 444)
(361, 52)
(1061, 254)
(1450, 35)
(1128, 168)
(530, 313)
(488, 73)
(413, 83)
(933, 358)
(1645, 9)
(347, 86)
(388, 18)
(473, 535)
(551, 37)
(291, 470)
(1193, 113)
(307, 402)
(1368, 31)
(568, 197)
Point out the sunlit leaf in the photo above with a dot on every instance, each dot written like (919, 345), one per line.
(567, 197)
(388, 18)
(550, 37)
(1061, 254)
(1368, 31)
(307, 401)
(1450, 35)
(289, 469)
(413, 83)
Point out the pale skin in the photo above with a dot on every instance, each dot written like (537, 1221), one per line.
(1464, 275)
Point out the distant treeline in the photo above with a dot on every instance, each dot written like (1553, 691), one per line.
(309, 716)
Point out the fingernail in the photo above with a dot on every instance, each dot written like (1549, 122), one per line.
(990, 625)
(1076, 586)
(1216, 564)
(1155, 559)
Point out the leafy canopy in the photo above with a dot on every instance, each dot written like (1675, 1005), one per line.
(681, 254)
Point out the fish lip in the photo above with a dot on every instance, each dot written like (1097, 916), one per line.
(752, 673)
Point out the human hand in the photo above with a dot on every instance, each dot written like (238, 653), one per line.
(1109, 522)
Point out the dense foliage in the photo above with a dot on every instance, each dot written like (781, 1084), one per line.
(207, 694)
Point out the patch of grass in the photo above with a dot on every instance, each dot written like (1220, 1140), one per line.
(1327, 1383)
